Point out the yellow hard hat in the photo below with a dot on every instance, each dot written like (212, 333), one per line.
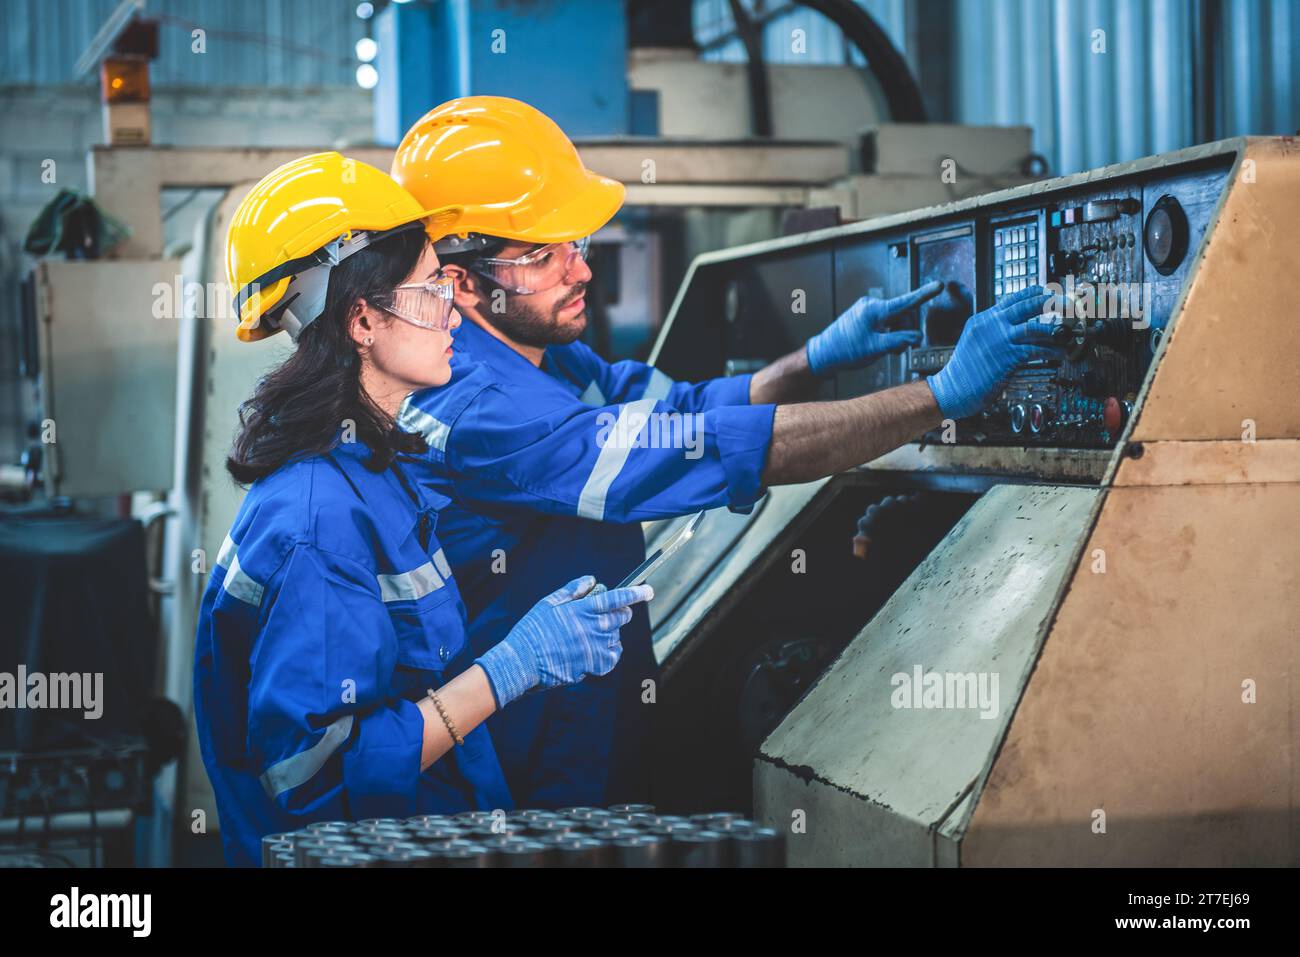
(300, 221)
(511, 168)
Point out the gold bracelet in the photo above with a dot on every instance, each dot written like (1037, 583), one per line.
(446, 719)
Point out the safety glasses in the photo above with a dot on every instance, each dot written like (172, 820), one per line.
(425, 304)
(538, 271)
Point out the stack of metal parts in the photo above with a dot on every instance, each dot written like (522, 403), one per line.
(625, 835)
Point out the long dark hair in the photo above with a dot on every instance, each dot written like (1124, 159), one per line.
(299, 407)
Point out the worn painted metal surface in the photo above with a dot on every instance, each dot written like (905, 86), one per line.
(1159, 726)
(1083, 466)
(972, 615)
(726, 554)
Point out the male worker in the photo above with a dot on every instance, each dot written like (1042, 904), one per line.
(537, 445)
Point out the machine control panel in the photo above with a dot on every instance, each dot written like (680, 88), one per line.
(1116, 251)
(1087, 253)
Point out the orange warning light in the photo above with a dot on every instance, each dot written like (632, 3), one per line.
(124, 80)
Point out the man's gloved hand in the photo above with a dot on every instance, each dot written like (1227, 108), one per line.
(993, 344)
(569, 634)
(858, 336)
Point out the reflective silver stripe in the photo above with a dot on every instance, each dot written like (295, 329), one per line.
(417, 420)
(228, 549)
(408, 586)
(238, 585)
(591, 503)
(658, 386)
(302, 767)
(593, 395)
(440, 563)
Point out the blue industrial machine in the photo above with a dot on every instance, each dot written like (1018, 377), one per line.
(567, 57)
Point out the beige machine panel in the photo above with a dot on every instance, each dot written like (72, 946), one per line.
(1236, 358)
(1163, 698)
(108, 335)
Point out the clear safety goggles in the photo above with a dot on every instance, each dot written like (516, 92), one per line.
(424, 304)
(538, 271)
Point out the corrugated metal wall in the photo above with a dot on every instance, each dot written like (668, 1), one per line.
(824, 43)
(1031, 62)
(287, 43)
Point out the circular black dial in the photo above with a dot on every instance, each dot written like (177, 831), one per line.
(1165, 237)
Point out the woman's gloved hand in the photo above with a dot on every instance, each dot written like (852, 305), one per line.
(859, 336)
(993, 344)
(569, 634)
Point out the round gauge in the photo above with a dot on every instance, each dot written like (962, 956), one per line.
(1165, 236)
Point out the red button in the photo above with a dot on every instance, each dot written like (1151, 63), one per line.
(1112, 415)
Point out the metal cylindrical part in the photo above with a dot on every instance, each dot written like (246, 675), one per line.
(428, 820)
(325, 842)
(397, 856)
(382, 839)
(327, 827)
(381, 822)
(579, 851)
(271, 842)
(615, 832)
(371, 827)
(271, 854)
(644, 850)
(433, 835)
(475, 817)
(582, 813)
(758, 847)
(466, 855)
(497, 829)
(356, 859)
(282, 860)
(717, 821)
(700, 849)
(530, 814)
(553, 826)
(623, 810)
(674, 822)
(515, 853)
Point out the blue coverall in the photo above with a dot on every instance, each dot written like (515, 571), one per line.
(330, 610)
(541, 490)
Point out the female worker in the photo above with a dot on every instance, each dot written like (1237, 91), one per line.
(320, 677)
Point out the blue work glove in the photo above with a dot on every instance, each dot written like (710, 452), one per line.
(993, 344)
(569, 634)
(858, 336)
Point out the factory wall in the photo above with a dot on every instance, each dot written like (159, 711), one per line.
(1032, 62)
(292, 86)
(288, 43)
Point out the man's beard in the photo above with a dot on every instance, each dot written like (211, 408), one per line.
(532, 327)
